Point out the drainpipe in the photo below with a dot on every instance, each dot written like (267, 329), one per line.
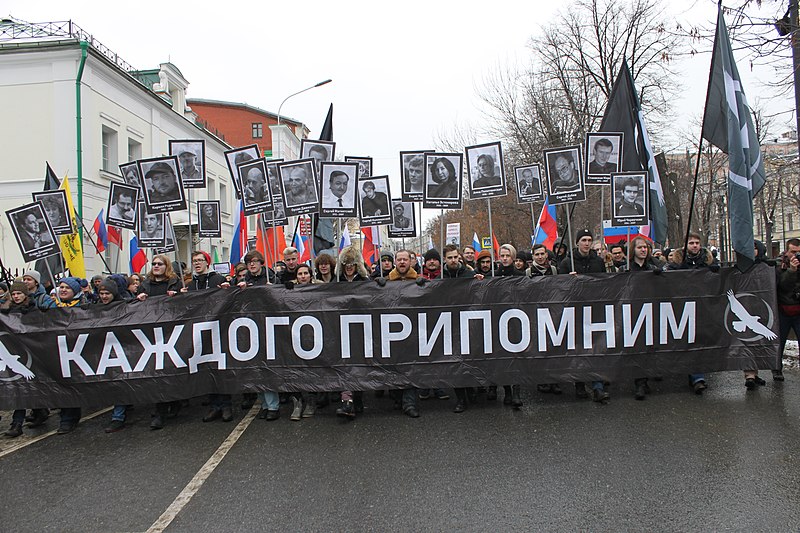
(78, 132)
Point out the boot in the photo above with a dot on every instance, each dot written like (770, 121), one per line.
(516, 401)
(507, 395)
(491, 395)
(461, 400)
(39, 417)
(347, 410)
(14, 431)
(297, 409)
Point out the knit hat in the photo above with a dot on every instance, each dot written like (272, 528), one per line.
(387, 254)
(483, 254)
(111, 286)
(19, 286)
(433, 253)
(83, 283)
(581, 234)
(205, 255)
(72, 283)
(3, 285)
(34, 274)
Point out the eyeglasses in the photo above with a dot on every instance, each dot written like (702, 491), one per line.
(254, 262)
(199, 261)
(157, 264)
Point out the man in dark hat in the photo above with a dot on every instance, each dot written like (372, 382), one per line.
(189, 169)
(163, 184)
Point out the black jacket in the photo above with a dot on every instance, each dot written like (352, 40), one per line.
(510, 270)
(584, 264)
(261, 279)
(209, 280)
(462, 272)
(159, 288)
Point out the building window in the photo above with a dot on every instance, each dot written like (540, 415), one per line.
(212, 188)
(134, 150)
(223, 198)
(109, 151)
(789, 221)
(258, 130)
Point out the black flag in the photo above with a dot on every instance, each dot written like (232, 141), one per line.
(54, 262)
(323, 227)
(624, 113)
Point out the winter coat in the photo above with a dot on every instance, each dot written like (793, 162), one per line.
(411, 275)
(461, 272)
(42, 299)
(350, 255)
(151, 287)
(584, 264)
(703, 259)
(505, 271)
(25, 307)
(535, 270)
(209, 280)
(265, 277)
(650, 265)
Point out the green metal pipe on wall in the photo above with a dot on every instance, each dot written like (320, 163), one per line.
(78, 130)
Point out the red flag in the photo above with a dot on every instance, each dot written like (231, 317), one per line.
(370, 252)
(495, 246)
(266, 242)
(101, 232)
(115, 236)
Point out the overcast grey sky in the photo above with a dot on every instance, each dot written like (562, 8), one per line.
(401, 71)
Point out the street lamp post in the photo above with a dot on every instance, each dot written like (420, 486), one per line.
(320, 84)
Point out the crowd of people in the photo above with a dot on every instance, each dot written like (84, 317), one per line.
(27, 294)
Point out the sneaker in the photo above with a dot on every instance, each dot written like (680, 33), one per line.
(272, 415)
(347, 410)
(699, 387)
(227, 414)
(759, 381)
(580, 390)
(157, 422)
(600, 396)
(14, 431)
(411, 412)
(441, 395)
(262, 414)
(309, 409)
(212, 415)
(297, 409)
(425, 394)
(115, 425)
(459, 408)
(777, 375)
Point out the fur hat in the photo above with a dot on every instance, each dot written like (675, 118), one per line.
(34, 274)
(433, 253)
(351, 255)
(19, 286)
(72, 283)
(581, 234)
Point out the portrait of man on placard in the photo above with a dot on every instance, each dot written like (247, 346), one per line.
(236, 157)
(364, 165)
(122, 205)
(399, 218)
(339, 189)
(319, 151)
(413, 172)
(631, 202)
(33, 232)
(150, 228)
(529, 183)
(564, 170)
(601, 161)
(191, 154)
(162, 188)
(130, 174)
(209, 223)
(256, 197)
(299, 185)
(403, 218)
(373, 203)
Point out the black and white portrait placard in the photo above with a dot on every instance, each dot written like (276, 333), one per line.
(55, 209)
(319, 151)
(130, 174)
(603, 157)
(630, 191)
(373, 193)
(270, 217)
(338, 184)
(443, 175)
(34, 235)
(487, 178)
(209, 225)
(529, 183)
(150, 228)
(412, 170)
(236, 157)
(299, 186)
(191, 155)
(256, 194)
(364, 165)
(162, 185)
(121, 206)
(404, 220)
(564, 175)
(169, 238)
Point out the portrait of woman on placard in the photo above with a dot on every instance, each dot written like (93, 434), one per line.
(443, 174)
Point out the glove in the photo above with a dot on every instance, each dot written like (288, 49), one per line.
(714, 268)
(289, 285)
(381, 281)
(421, 281)
(657, 271)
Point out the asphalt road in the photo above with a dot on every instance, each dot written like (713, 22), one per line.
(725, 461)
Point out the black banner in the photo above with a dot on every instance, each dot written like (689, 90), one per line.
(362, 336)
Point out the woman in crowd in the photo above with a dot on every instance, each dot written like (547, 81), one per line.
(160, 281)
(304, 404)
(134, 280)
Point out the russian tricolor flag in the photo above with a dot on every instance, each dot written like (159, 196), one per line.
(239, 244)
(301, 242)
(101, 232)
(138, 257)
(613, 235)
(476, 243)
(546, 229)
(345, 242)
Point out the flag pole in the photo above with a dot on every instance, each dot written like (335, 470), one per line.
(491, 231)
(534, 227)
(628, 249)
(338, 246)
(602, 208)
(441, 240)
(264, 240)
(83, 228)
(190, 248)
(119, 252)
(50, 271)
(177, 256)
(569, 233)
